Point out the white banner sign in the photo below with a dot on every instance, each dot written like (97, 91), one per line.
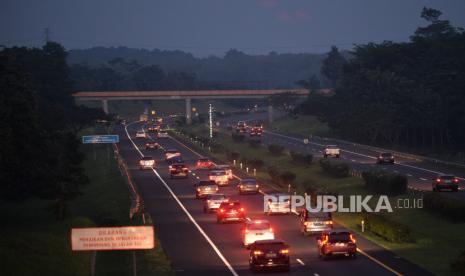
(112, 238)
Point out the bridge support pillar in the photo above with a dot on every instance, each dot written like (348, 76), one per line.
(270, 113)
(188, 111)
(105, 106)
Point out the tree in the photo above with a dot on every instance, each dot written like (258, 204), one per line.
(332, 66)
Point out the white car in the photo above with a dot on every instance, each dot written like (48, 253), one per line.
(219, 176)
(332, 150)
(162, 134)
(213, 202)
(227, 169)
(281, 206)
(256, 230)
(141, 134)
(146, 162)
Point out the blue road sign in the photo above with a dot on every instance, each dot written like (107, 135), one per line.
(100, 139)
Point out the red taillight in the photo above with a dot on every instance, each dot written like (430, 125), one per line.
(438, 180)
(271, 230)
(456, 180)
(242, 209)
(330, 222)
(284, 251)
(257, 252)
(246, 230)
(221, 210)
(352, 238)
(380, 157)
(325, 240)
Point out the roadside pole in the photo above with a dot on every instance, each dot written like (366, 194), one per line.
(93, 256)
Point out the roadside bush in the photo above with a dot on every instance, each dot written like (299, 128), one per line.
(232, 155)
(389, 230)
(300, 158)
(381, 182)
(244, 161)
(256, 163)
(217, 148)
(238, 138)
(287, 177)
(335, 169)
(276, 150)
(273, 172)
(449, 208)
(254, 143)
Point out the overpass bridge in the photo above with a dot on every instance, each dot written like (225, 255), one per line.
(187, 96)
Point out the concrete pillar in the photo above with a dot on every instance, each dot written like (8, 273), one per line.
(188, 111)
(270, 113)
(105, 106)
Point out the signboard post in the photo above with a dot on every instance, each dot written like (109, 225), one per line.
(100, 139)
(112, 238)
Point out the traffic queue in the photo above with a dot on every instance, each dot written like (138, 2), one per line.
(266, 250)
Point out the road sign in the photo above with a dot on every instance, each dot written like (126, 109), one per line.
(100, 139)
(112, 238)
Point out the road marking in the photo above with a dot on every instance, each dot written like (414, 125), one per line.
(300, 261)
(424, 179)
(378, 262)
(409, 175)
(316, 274)
(218, 252)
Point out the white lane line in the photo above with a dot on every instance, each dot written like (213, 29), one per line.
(353, 160)
(424, 179)
(300, 261)
(218, 252)
(409, 175)
(316, 274)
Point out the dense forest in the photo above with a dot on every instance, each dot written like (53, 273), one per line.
(410, 94)
(235, 70)
(39, 147)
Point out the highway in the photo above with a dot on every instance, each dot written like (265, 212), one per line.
(361, 158)
(197, 245)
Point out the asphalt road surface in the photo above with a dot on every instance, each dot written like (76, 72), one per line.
(197, 245)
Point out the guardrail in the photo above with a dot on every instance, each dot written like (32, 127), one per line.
(137, 203)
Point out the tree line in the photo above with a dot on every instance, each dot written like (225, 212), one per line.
(39, 122)
(409, 94)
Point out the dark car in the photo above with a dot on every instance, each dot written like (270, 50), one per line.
(152, 145)
(179, 170)
(248, 185)
(385, 157)
(256, 130)
(445, 182)
(269, 254)
(204, 163)
(336, 242)
(230, 211)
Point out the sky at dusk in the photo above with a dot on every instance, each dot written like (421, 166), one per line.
(211, 27)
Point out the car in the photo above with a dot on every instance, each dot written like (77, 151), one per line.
(219, 176)
(385, 157)
(332, 150)
(445, 182)
(336, 242)
(178, 169)
(213, 202)
(241, 127)
(225, 168)
(141, 134)
(152, 145)
(204, 163)
(248, 185)
(170, 153)
(146, 162)
(279, 207)
(153, 128)
(256, 130)
(204, 188)
(315, 222)
(230, 211)
(163, 134)
(175, 160)
(267, 254)
(256, 230)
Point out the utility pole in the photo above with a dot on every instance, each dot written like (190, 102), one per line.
(47, 35)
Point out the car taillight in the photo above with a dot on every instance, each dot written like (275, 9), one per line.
(257, 252)
(242, 209)
(352, 238)
(325, 240)
(330, 222)
(284, 251)
(221, 210)
(456, 180)
(246, 230)
(392, 157)
(198, 189)
(171, 167)
(380, 157)
(141, 162)
(271, 230)
(438, 180)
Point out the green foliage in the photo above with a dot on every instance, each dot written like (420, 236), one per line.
(300, 158)
(232, 155)
(275, 150)
(386, 183)
(238, 138)
(335, 169)
(446, 207)
(389, 230)
(255, 143)
(332, 66)
(256, 163)
(459, 264)
(217, 148)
